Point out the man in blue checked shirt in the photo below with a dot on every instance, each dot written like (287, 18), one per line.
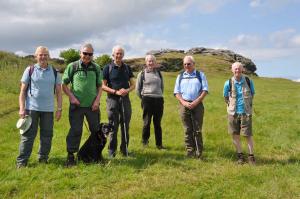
(191, 87)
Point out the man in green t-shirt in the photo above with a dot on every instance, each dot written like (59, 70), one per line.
(84, 94)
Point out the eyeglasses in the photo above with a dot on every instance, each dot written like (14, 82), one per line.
(187, 64)
(86, 53)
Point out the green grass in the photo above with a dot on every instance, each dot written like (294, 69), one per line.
(166, 174)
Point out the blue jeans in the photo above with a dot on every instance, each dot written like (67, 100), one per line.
(45, 121)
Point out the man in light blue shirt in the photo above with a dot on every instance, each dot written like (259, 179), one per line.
(38, 84)
(238, 93)
(191, 87)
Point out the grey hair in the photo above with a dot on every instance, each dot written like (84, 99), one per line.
(238, 64)
(87, 45)
(116, 48)
(189, 57)
(150, 56)
(39, 48)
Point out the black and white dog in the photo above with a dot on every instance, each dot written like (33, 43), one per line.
(91, 150)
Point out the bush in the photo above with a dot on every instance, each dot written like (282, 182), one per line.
(103, 60)
(70, 55)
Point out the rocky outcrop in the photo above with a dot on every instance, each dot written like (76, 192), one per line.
(227, 55)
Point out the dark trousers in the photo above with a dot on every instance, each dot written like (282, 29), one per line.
(76, 117)
(45, 121)
(115, 105)
(152, 107)
(192, 122)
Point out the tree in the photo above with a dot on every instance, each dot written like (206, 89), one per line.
(103, 60)
(70, 55)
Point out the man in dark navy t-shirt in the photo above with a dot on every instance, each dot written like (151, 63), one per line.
(118, 82)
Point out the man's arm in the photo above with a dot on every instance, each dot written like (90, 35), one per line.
(96, 102)
(59, 101)
(22, 97)
(72, 98)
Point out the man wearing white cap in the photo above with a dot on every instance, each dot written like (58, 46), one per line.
(39, 84)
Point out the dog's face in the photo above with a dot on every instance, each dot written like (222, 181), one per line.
(106, 128)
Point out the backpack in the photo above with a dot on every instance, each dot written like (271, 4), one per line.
(247, 80)
(110, 66)
(31, 69)
(198, 76)
(76, 69)
(143, 79)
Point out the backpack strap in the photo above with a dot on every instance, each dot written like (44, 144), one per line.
(198, 76)
(247, 80)
(76, 68)
(31, 69)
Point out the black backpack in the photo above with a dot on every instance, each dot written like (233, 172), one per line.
(198, 76)
(76, 69)
(31, 69)
(230, 83)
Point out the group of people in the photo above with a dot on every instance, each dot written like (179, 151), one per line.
(83, 82)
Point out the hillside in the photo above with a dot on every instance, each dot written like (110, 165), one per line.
(153, 173)
(208, 60)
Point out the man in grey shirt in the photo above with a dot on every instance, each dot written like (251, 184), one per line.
(149, 88)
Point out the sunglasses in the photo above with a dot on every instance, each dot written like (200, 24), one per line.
(89, 54)
(187, 64)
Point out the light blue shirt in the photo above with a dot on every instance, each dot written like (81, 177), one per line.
(239, 93)
(42, 88)
(190, 88)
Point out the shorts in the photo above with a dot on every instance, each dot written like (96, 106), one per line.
(240, 124)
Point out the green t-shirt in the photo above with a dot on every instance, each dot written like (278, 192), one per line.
(85, 83)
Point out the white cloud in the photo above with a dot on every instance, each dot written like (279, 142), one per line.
(255, 3)
(281, 38)
(246, 41)
(57, 24)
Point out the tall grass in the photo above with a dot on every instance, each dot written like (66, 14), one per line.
(152, 173)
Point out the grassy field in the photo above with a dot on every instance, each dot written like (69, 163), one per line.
(151, 173)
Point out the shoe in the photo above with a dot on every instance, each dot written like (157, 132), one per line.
(241, 159)
(111, 154)
(190, 154)
(129, 154)
(198, 155)
(161, 147)
(251, 159)
(21, 165)
(70, 160)
(43, 161)
(145, 144)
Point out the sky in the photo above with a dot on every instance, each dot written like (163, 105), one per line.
(266, 31)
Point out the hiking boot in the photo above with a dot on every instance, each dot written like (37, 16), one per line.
(198, 155)
(70, 160)
(21, 165)
(240, 157)
(251, 159)
(145, 144)
(190, 154)
(43, 161)
(161, 147)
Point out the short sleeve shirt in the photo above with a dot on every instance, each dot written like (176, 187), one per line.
(41, 96)
(118, 77)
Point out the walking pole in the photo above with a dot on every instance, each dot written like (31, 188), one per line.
(195, 137)
(124, 125)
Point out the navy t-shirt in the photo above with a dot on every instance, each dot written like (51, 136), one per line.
(118, 77)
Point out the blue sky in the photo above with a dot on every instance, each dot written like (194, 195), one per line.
(266, 31)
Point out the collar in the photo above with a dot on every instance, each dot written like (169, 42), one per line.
(40, 68)
(190, 74)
